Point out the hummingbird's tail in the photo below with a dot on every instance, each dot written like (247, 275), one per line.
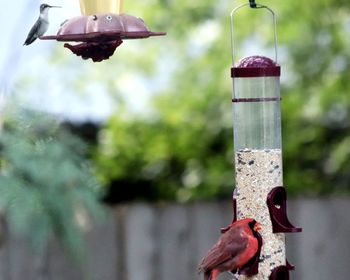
(29, 41)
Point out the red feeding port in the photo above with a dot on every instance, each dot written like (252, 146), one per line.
(100, 34)
(277, 205)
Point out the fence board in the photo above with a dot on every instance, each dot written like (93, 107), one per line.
(173, 242)
(141, 244)
(23, 263)
(103, 255)
(321, 251)
(4, 252)
(59, 266)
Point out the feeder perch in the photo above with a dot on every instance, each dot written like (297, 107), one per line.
(277, 204)
(258, 156)
(100, 30)
(290, 266)
(234, 219)
(281, 272)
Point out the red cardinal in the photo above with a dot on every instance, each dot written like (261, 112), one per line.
(233, 250)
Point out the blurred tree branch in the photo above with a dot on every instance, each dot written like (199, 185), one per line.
(47, 187)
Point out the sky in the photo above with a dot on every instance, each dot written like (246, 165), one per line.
(18, 61)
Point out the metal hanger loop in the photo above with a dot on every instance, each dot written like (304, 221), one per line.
(253, 5)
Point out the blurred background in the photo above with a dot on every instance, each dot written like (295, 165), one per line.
(123, 169)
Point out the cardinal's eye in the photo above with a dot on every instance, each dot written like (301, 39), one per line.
(109, 18)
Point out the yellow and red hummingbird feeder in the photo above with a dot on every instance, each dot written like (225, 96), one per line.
(100, 29)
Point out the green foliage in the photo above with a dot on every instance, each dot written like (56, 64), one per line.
(182, 148)
(316, 105)
(46, 185)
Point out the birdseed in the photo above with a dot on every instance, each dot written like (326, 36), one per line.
(257, 173)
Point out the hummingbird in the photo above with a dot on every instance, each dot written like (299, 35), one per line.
(41, 25)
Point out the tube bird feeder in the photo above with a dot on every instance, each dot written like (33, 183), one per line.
(259, 191)
(100, 29)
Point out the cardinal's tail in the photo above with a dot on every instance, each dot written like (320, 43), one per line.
(207, 275)
(211, 274)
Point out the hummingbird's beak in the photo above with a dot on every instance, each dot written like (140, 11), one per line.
(55, 6)
(257, 226)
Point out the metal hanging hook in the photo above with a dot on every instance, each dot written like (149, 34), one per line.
(254, 5)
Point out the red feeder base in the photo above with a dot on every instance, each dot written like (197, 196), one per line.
(100, 34)
(96, 51)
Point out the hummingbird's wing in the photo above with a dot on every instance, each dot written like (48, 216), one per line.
(33, 33)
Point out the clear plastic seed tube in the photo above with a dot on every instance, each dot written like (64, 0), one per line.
(258, 155)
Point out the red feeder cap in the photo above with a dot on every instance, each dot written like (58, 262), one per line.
(256, 66)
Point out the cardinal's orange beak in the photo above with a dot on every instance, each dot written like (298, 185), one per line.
(257, 226)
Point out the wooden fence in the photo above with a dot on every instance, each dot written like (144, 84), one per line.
(166, 242)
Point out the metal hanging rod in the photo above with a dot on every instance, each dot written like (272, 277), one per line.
(254, 5)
